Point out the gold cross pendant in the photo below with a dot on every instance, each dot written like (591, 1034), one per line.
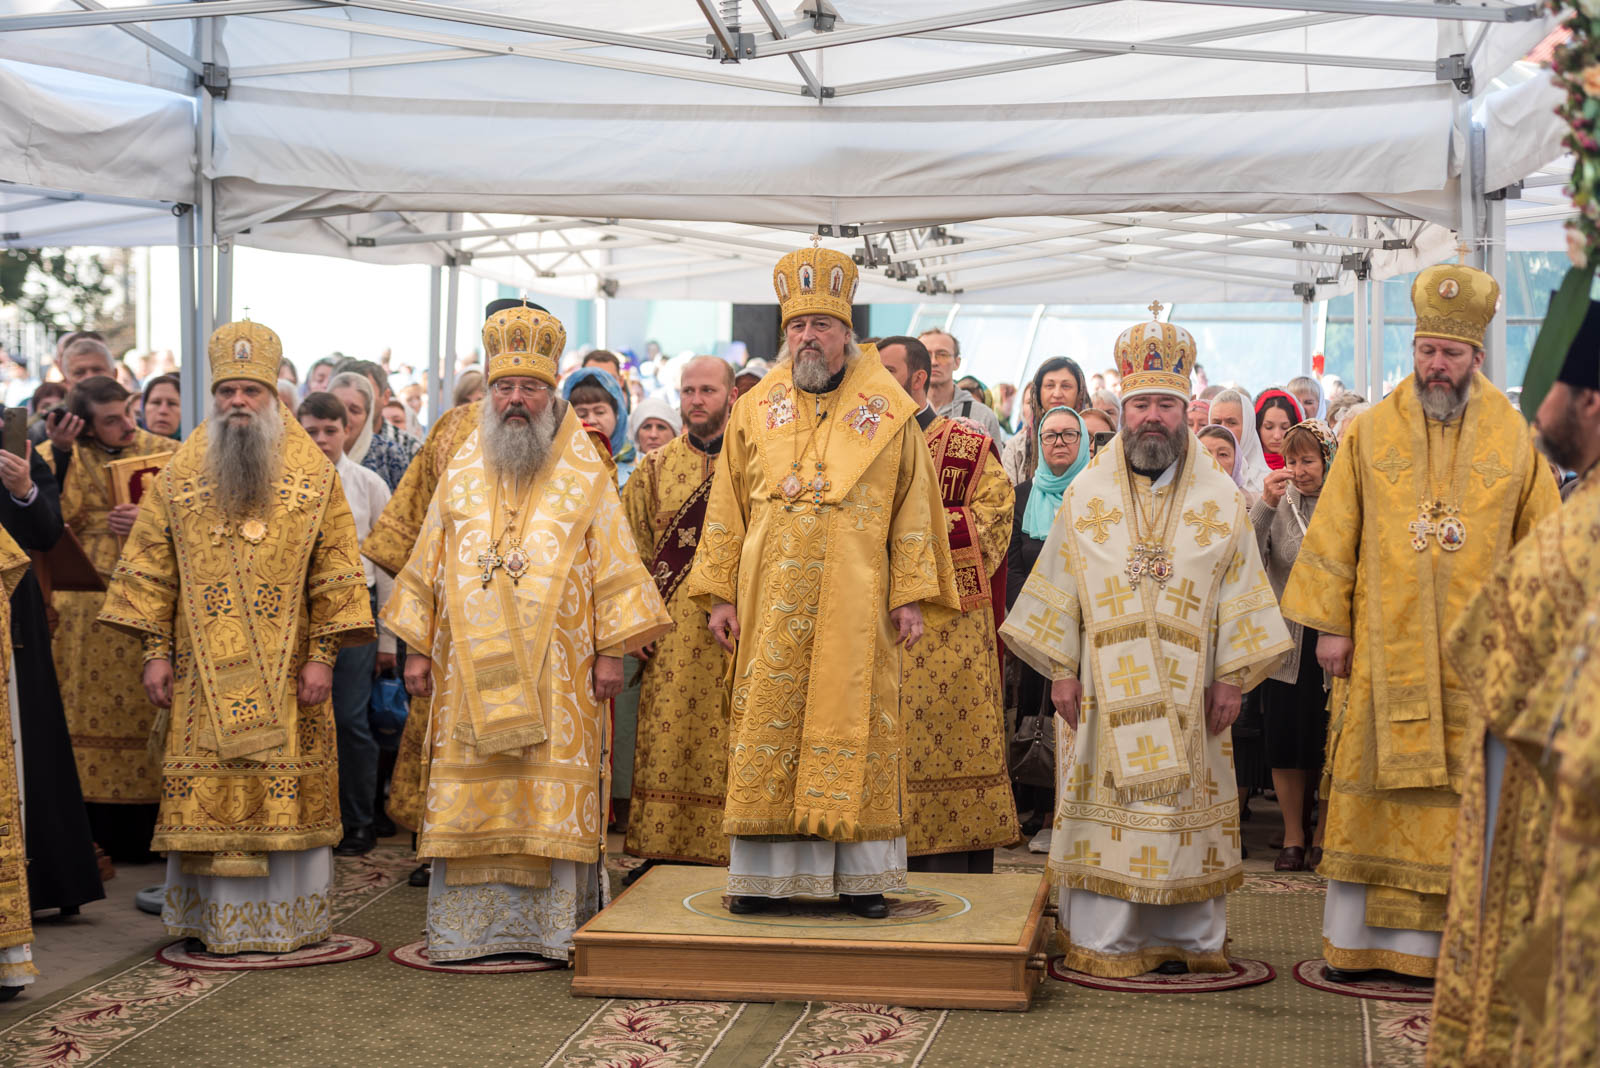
(488, 561)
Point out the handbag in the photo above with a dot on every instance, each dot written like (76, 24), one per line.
(1033, 751)
(387, 709)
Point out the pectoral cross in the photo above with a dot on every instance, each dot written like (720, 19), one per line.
(1420, 528)
(488, 561)
(1155, 309)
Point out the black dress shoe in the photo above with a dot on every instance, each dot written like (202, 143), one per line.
(383, 826)
(867, 906)
(638, 873)
(421, 876)
(744, 905)
(1345, 975)
(9, 992)
(356, 843)
(1171, 967)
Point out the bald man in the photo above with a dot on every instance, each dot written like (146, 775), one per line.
(680, 765)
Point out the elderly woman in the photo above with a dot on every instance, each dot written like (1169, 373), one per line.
(1199, 414)
(652, 423)
(1234, 409)
(1063, 452)
(1294, 707)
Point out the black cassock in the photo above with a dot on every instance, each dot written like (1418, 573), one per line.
(62, 871)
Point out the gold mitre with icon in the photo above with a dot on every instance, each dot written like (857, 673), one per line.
(815, 281)
(1455, 302)
(524, 342)
(1155, 357)
(244, 350)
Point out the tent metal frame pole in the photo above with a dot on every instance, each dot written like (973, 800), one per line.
(224, 312)
(151, 41)
(1362, 335)
(1375, 376)
(434, 411)
(1495, 256)
(543, 226)
(205, 199)
(447, 380)
(1307, 326)
(190, 385)
(1306, 237)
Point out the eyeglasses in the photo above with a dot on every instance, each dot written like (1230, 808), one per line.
(1061, 437)
(515, 389)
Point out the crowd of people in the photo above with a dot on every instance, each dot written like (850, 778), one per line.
(824, 620)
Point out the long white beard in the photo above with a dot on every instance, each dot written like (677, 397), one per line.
(811, 371)
(516, 448)
(242, 459)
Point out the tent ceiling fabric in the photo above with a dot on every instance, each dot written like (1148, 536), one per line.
(344, 124)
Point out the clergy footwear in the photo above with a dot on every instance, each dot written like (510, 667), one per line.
(356, 843)
(867, 906)
(421, 876)
(1313, 858)
(744, 904)
(638, 873)
(1344, 975)
(1292, 858)
(1171, 967)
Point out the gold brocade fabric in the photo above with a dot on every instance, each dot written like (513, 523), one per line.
(101, 670)
(16, 919)
(238, 619)
(1148, 812)
(1400, 750)
(1512, 650)
(514, 810)
(680, 765)
(958, 791)
(820, 753)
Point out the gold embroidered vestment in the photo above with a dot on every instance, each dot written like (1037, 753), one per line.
(16, 919)
(246, 769)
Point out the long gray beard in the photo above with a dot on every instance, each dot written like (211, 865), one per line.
(811, 371)
(518, 449)
(1442, 401)
(1151, 452)
(243, 461)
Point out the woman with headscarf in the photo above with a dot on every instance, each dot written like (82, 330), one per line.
(1058, 383)
(1063, 451)
(1276, 412)
(1229, 408)
(1308, 391)
(1199, 413)
(597, 399)
(652, 424)
(1224, 448)
(1294, 707)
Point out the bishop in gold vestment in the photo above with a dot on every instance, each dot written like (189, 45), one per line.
(1514, 881)
(1428, 493)
(524, 590)
(1151, 614)
(822, 536)
(959, 805)
(242, 578)
(99, 668)
(680, 765)
(16, 921)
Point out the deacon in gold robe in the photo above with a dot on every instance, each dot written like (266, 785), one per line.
(823, 534)
(1151, 614)
(243, 579)
(1428, 492)
(958, 790)
(1513, 652)
(680, 764)
(522, 595)
(99, 668)
(16, 919)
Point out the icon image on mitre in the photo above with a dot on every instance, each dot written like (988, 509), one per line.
(1449, 289)
(1152, 358)
(241, 349)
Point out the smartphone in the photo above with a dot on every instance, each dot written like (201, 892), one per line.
(14, 439)
(1102, 438)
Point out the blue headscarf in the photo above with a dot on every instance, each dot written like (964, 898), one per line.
(621, 447)
(1045, 500)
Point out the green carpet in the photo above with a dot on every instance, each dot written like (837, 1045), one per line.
(373, 1012)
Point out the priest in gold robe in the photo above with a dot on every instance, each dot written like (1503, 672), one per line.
(680, 762)
(99, 668)
(1513, 651)
(1151, 614)
(823, 535)
(959, 805)
(523, 593)
(1429, 491)
(242, 578)
(16, 919)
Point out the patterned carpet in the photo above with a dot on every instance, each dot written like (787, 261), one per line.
(374, 1012)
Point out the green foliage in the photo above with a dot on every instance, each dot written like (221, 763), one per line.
(66, 289)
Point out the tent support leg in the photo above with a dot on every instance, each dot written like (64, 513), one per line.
(190, 385)
(224, 313)
(434, 409)
(1306, 327)
(451, 309)
(1375, 344)
(1362, 337)
(1494, 365)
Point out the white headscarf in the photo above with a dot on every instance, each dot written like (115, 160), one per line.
(357, 450)
(653, 408)
(1250, 450)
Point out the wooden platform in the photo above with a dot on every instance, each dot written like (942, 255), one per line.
(950, 941)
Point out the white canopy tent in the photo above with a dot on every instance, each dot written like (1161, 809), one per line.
(1070, 151)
